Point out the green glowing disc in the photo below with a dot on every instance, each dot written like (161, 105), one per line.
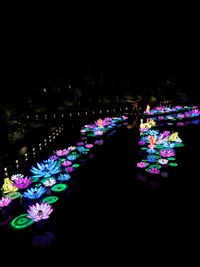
(13, 195)
(76, 165)
(21, 222)
(143, 148)
(50, 199)
(171, 158)
(173, 164)
(179, 144)
(59, 187)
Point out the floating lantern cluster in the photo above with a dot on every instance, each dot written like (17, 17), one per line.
(158, 149)
(163, 110)
(36, 193)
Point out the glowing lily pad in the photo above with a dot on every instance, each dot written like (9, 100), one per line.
(59, 187)
(21, 222)
(173, 164)
(13, 195)
(180, 145)
(143, 148)
(76, 165)
(50, 199)
(172, 158)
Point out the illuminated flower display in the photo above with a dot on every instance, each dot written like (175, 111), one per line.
(54, 157)
(66, 163)
(141, 142)
(168, 144)
(89, 145)
(80, 143)
(64, 177)
(153, 171)
(16, 176)
(34, 193)
(5, 201)
(49, 182)
(166, 153)
(39, 211)
(152, 158)
(72, 157)
(142, 164)
(61, 153)
(8, 186)
(99, 142)
(22, 182)
(46, 170)
(71, 148)
(98, 132)
(163, 161)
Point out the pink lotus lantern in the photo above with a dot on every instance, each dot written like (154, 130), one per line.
(141, 164)
(66, 163)
(89, 145)
(167, 153)
(61, 152)
(5, 201)
(154, 171)
(22, 182)
(39, 211)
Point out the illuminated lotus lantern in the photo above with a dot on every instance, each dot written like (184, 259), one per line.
(142, 164)
(80, 143)
(163, 161)
(39, 211)
(22, 183)
(168, 145)
(64, 177)
(89, 145)
(141, 142)
(180, 116)
(153, 170)
(72, 148)
(8, 186)
(61, 153)
(49, 182)
(152, 158)
(54, 157)
(66, 163)
(98, 132)
(46, 170)
(99, 142)
(34, 193)
(16, 176)
(167, 153)
(175, 138)
(72, 157)
(5, 201)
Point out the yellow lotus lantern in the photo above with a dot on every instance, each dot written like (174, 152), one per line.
(8, 186)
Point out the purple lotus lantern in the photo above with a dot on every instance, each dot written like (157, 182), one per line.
(154, 171)
(5, 201)
(141, 164)
(141, 143)
(66, 163)
(39, 211)
(167, 153)
(99, 142)
(61, 153)
(54, 157)
(98, 132)
(89, 145)
(80, 144)
(22, 183)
